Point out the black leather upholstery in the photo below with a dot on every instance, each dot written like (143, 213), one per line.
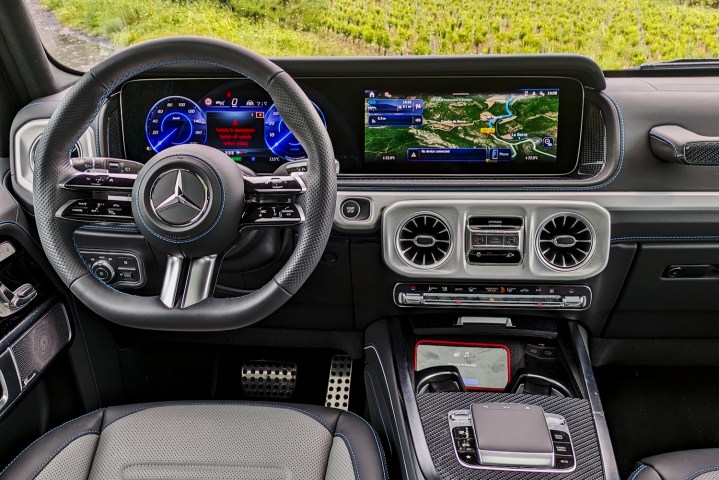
(685, 465)
(39, 453)
(368, 459)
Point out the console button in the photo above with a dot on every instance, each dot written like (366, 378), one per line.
(563, 461)
(555, 420)
(479, 239)
(350, 209)
(559, 436)
(562, 448)
(466, 445)
(461, 417)
(462, 432)
(469, 458)
(495, 240)
(511, 239)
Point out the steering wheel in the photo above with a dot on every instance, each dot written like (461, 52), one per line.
(190, 202)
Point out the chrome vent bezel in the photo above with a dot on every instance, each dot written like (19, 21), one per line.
(403, 251)
(544, 246)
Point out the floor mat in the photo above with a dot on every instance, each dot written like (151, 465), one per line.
(653, 410)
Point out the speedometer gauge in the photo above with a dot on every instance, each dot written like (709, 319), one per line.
(175, 121)
(280, 140)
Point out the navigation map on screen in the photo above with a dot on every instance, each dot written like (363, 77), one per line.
(518, 126)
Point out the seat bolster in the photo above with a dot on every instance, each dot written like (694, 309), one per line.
(684, 465)
(326, 416)
(35, 457)
(364, 447)
(644, 472)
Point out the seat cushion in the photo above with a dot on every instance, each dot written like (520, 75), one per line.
(210, 440)
(686, 465)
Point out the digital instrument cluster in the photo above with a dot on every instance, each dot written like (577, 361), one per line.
(231, 116)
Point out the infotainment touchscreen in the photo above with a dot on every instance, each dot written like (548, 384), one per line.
(515, 131)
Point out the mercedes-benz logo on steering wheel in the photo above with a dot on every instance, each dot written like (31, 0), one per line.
(179, 197)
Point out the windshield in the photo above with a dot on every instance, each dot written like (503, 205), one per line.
(616, 33)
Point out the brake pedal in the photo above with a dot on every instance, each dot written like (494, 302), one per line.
(338, 385)
(269, 379)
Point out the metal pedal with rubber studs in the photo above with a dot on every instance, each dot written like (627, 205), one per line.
(338, 385)
(269, 379)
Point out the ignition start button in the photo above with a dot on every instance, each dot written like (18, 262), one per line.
(350, 209)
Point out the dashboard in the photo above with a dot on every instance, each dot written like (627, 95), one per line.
(479, 126)
(504, 169)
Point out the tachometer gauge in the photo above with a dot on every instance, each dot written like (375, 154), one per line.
(175, 121)
(280, 140)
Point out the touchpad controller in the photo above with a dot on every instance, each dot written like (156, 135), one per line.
(511, 436)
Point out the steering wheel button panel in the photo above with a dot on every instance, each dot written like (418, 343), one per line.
(119, 269)
(97, 210)
(281, 185)
(100, 181)
(274, 214)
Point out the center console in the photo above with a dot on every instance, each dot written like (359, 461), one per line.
(487, 398)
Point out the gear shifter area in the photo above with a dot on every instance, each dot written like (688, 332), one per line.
(11, 300)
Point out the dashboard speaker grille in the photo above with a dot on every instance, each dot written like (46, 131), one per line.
(565, 241)
(40, 344)
(424, 240)
(593, 151)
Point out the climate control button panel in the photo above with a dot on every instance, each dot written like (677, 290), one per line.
(552, 297)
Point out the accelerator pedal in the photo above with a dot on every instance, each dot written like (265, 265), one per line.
(269, 379)
(338, 385)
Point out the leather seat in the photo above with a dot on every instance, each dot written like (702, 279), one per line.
(686, 465)
(211, 440)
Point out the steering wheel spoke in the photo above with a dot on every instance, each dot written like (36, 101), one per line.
(189, 281)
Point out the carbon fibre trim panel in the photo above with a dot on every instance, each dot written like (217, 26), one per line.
(433, 408)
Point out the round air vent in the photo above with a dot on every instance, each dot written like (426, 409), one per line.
(76, 152)
(424, 240)
(565, 241)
